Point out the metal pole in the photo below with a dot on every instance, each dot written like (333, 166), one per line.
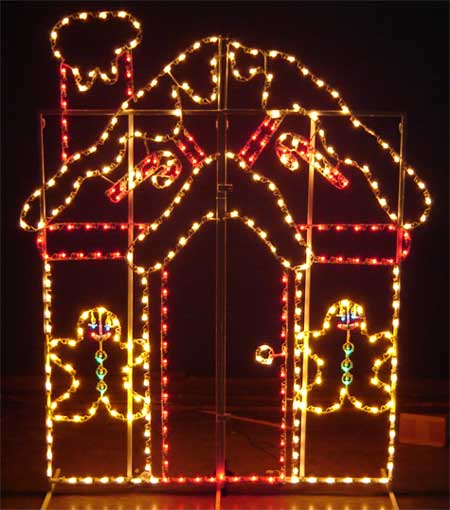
(397, 276)
(212, 111)
(309, 232)
(43, 205)
(401, 187)
(43, 216)
(221, 268)
(130, 296)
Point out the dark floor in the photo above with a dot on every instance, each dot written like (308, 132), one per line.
(233, 502)
(421, 477)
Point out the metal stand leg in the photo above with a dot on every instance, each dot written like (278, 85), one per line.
(49, 494)
(218, 502)
(307, 303)
(130, 280)
(221, 276)
(391, 494)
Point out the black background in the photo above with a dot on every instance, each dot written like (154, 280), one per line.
(382, 56)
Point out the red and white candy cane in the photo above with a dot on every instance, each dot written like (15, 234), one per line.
(290, 148)
(162, 167)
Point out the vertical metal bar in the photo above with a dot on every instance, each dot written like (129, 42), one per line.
(45, 272)
(397, 286)
(42, 197)
(309, 233)
(130, 296)
(49, 494)
(221, 267)
(401, 188)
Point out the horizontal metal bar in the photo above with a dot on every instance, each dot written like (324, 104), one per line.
(249, 420)
(196, 112)
(236, 480)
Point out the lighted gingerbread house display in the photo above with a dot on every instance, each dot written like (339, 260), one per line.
(222, 135)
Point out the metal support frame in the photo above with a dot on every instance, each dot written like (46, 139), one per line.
(43, 214)
(222, 188)
(306, 325)
(130, 292)
(221, 270)
(401, 186)
(49, 494)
